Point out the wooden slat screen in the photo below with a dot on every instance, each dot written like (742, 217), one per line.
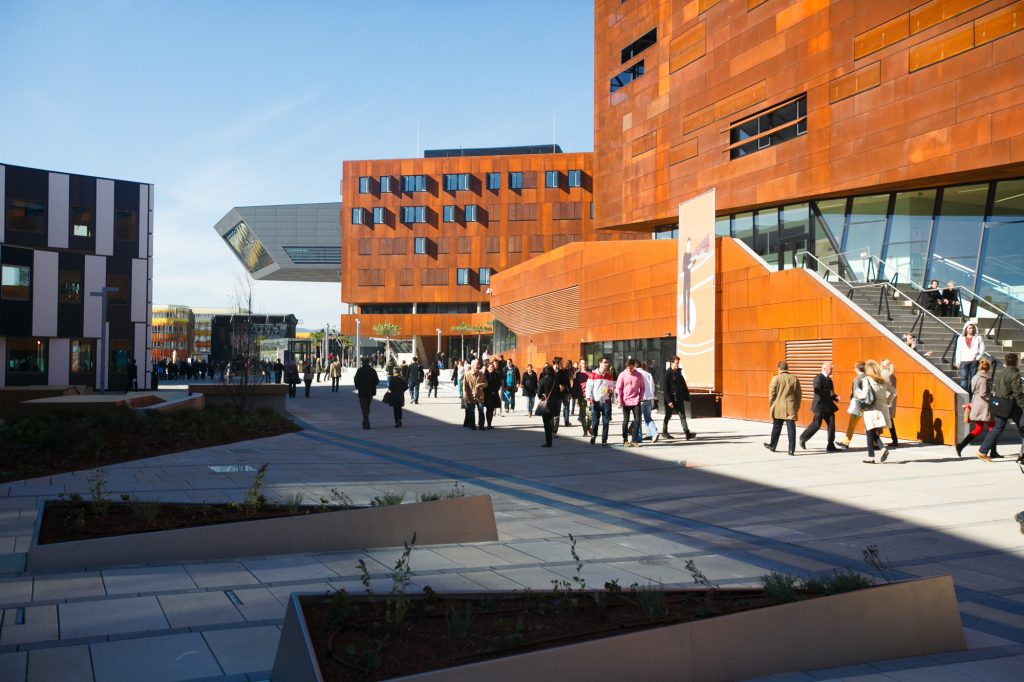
(547, 312)
(805, 359)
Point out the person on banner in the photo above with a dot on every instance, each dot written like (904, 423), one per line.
(687, 279)
(783, 403)
(1007, 405)
(366, 387)
(823, 409)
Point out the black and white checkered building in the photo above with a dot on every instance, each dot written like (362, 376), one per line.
(63, 237)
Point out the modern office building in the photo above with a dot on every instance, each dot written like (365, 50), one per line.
(173, 331)
(292, 242)
(242, 333)
(202, 335)
(422, 237)
(64, 238)
(882, 140)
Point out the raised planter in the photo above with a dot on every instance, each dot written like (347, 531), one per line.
(273, 397)
(912, 618)
(465, 519)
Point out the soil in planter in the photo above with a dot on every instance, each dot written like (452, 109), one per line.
(67, 521)
(354, 642)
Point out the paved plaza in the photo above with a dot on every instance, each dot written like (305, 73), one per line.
(735, 509)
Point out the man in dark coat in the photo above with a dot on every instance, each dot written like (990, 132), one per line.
(366, 385)
(1007, 386)
(677, 394)
(823, 409)
(413, 378)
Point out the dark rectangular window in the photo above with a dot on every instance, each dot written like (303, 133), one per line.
(414, 214)
(414, 183)
(26, 216)
(380, 216)
(83, 358)
(69, 286)
(515, 243)
(126, 225)
(775, 126)
(15, 282)
(494, 181)
(27, 356)
(462, 276)
(420, 245)
(82, 221)
(364, 185)
(456, 181)
(485, 275)
(124, 289)
(639, 45)
(515, 180)
(575, 178)
(551, 179)
(448, 213)
(471, 213)
(385, 184)
(627, 76)
(357, 216)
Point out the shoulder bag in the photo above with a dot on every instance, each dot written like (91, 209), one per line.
(386, 398)
(542, 404)
(1000, 407)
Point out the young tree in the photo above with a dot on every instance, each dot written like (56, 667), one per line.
(462, 328)
(387, 330)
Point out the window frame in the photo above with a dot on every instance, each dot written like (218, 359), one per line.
(494, 181)
(470, 212)
(419, 246)
(358, 216)
(9, 292)
(448, 213)
(578, 174)
(515, 179)
(484, 275)
(384, 183)
(462, 277)
(380, 215)
(365, 186)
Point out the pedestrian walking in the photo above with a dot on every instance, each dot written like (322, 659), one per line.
(492, 392)
(629, 391)
(1007, 405)
(307, 374)
(366, 387)
(335, 371)
(823, 409)
(889, 374)
(677, 394)
(473, 386)
(854, 408)
(978, 411)
(646, 405)
(291, 375)
(414, 376)
(600, 390)
(874, 395)
(397, 386)
(549, 390)
(784, 403)
(969, 349)
(528, 383)
(432, 379)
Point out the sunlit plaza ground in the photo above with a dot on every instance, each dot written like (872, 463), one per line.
(638, 515)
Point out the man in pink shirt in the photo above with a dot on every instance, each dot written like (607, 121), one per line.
(629, 392)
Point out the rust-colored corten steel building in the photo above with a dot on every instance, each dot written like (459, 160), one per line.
(421, 237)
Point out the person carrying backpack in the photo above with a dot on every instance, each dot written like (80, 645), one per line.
(510, 386)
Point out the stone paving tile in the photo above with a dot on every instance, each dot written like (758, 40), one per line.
(282, 592)
(60, 664)
(244, 650)
(445, 582)
(110, 617)
(226, 574)
(40, 625)
(507, 554)
(146, 579)
(164, 658)
(198, 608)
(544, 551)
(60, 586)
(257, 603)
(468, 557)
(534, 578)
(286, 568)
(13, 666)
(420, 559)
(16, 590)
(490, 580)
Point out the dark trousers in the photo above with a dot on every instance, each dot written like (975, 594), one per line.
(291, 389)
(364, 407)
(334, 384)
(308, 382)
(565, 409)
(874, 437)
(631, 422)
(812, 428)
(681, 411)
(490, 413)
(431, 388)
(550, 420)
(397, 409)
(474, 413)
(993, 434)
(601, 412)
(777, 431)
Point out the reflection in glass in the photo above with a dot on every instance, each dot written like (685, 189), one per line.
(794, 234)
(722, 226)
(832, 217)
(1002, 260)
(957, 231)
(82, 359)
(766, 240)
(743, 228)
(907, 251)
(865, 233)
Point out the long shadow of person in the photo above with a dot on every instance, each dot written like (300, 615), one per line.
(927, 425)
(939, 440)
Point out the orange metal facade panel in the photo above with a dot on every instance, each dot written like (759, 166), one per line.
(943, 47)
(883, 36)
(937, 11)
(998, 24)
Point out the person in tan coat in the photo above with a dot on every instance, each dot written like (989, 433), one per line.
(784, 402)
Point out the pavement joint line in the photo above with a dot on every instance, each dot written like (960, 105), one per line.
(431, 464)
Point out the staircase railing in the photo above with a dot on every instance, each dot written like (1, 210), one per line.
(889, 290)
(996, 328)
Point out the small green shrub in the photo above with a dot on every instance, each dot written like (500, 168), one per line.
(781, 587)
(387, 499)
(837, 582)
(293, 502)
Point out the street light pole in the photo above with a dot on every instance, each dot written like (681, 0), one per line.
(359, 358)
(438, 357)
(104, 335)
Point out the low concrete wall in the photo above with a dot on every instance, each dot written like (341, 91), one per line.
(466, 519)
(12, 398)
(273, 397)
(912, 618)
(189, 402)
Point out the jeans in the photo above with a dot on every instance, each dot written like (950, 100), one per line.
(812, 428)
(874, 441)
(530, 399)
(993, 434)
(680, 409)
(565, 409)
(967, 372)
(414, 392)
(307, 387)
(645, 410)
(585, 417)
(474, 414)
(777, 431)
(599, 412)
(334, 384)
(631, 422)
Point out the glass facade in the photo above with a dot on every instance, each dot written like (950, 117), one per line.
(967, 234)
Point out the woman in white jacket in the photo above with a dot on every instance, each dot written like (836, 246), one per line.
(969, 349)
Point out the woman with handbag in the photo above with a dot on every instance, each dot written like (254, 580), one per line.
(889, 374)
(873, 395)
(397, 386)
(547, 407)
(854, 409)
(978, 413)
(1007, 405)
(492, 393)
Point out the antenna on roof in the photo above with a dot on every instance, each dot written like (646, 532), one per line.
(417, 137)
(554, 132)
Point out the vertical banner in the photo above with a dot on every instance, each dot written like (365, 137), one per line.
(695, 291)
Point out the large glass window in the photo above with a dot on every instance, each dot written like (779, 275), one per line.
(15, 282)
(420, 245)
(82, 356)
(766, 240)
(551, 179)
(627, 76)
(123, 285)
(26, 216)
(906, 252)
(515, 180)
(1002, 262)
(385, 184)
(743, 228)
(794, 234)
(27, 357)
(69, 286)
(485, 275)
(126, 225)
(494, 181)
(456, 181)
(448, 214)
(380, 215)
(120, 355)
(462, 276)
(470, 213)
(786, 121)
(954, 256)
(865, 234)
(639, 45)
(358, 217)
(364, 185)
(81, 221)
(414, 214)
(414, 183)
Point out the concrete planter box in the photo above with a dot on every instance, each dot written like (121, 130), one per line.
(912, 618)
(466, 519)
(273, 397)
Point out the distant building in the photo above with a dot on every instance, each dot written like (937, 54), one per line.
(293, 242)
(232, 335)
(64, 237)
(202, 329)
(173, 329)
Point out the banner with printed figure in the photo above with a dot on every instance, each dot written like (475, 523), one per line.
(695, 291)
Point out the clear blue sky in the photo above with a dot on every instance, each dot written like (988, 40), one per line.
(225, 103)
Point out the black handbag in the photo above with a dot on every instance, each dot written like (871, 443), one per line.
(386, 398)
(1000, 407)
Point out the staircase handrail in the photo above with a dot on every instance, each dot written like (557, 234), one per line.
(803, 255)
(975, 300)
